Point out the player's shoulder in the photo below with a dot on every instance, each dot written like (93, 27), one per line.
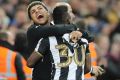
(44, 40)
(32, 26)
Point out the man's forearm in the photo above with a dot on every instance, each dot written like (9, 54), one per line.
(52, 30)
(35, 33)
(87, 63)
(32, 60)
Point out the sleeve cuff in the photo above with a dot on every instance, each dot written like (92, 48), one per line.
(38, 53)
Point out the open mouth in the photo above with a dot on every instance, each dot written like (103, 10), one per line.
(40, 16)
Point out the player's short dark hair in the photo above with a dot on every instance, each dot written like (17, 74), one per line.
(60, 13)
(33, 4)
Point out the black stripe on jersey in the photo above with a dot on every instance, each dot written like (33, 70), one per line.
(64, 71)
(79, 68)
(42, 69)
(53, 67)
(79, 73)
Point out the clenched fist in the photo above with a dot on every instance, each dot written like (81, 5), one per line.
(75, 36)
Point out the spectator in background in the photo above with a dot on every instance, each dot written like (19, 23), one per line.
(106, 29)
(13, 2)
(25, 1)
(10, 61)
(17, 68)
(76, 7)
(4, 20)
(113, 17)
(91, 6)
(93, 24)
(50, 4)
(102, 47)
(19, 45)
(13, 27)
(9, 8)
(20, 20)
(113, 65)
(112, 62)
(21, 17)
(102, 44)
(112, 14)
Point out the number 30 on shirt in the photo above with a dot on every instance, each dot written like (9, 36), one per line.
(64, 53)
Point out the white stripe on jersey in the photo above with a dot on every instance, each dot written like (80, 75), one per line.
(72, 69)
(38, 44)
(86, 41)
(56, 57)
(83, 72)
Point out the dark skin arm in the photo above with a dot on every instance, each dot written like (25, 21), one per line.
(38, 53)
(87, 64)
(96, 70)
(34, 57)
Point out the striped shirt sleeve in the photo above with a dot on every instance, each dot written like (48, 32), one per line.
(42, 46)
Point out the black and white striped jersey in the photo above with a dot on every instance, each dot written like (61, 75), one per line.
(67, 60)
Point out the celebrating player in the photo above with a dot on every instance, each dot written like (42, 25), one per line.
(62, 53)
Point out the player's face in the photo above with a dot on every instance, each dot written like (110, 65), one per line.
(72, 16)
(39, 14)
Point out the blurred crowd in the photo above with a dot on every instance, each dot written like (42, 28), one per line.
(101, 17)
